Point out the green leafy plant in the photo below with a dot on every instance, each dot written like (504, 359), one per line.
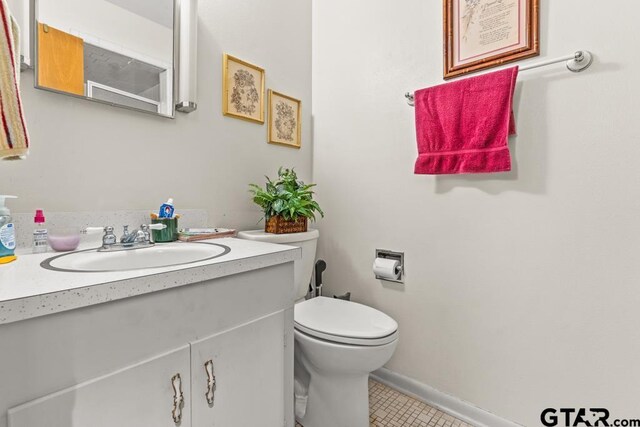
(287, 196)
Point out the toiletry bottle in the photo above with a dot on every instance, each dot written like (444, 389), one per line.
(7, 233)
(166, 210)
(40, 233)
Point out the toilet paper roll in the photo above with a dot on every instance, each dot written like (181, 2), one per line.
(387, 268)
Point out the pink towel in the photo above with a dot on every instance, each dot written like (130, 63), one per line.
(464, 126)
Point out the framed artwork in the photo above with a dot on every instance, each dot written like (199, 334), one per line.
(480, 34)
(242, 89)
(285, 126)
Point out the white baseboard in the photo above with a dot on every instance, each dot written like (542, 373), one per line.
(460, 409)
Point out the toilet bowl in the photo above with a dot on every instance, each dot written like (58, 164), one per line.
(337, 345)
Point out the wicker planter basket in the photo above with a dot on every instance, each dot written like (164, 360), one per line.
(279, 225)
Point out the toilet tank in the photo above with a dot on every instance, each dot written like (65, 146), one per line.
(303, 267)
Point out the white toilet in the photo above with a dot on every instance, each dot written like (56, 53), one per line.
(338, 343)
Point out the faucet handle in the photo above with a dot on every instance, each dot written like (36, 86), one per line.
(91, 230)
(146, 235)
(109, 237)
(146, 230)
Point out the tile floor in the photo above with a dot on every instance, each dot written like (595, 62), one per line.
(390, 408)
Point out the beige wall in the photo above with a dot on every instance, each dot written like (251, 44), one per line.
(87, 156)
(522, 289)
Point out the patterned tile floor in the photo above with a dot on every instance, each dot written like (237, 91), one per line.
(390, 408)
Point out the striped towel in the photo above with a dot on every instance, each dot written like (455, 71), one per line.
(14, 139)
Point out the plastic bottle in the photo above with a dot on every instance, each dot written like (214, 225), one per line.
(7, 233)
(166, 210)
(40, 233)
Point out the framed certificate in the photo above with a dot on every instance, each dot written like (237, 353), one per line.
(480, 34)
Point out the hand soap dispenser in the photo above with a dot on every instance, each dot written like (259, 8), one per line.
(7, 233)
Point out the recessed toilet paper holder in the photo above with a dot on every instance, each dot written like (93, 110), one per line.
(398, 256)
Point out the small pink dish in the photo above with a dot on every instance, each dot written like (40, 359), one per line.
(64, 239)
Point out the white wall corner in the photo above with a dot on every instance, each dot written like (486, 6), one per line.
(451, 405)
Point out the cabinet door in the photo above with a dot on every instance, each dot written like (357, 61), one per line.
(238, 376)
(139, 395)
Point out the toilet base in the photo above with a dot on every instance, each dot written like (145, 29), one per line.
(337, 379)
(337, 401)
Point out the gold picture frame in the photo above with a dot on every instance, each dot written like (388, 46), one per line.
(242, 89)
(285, 120)
(481, 34)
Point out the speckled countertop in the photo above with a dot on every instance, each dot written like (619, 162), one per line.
(27, 290)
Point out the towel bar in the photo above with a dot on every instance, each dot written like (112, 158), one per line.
(576, 62)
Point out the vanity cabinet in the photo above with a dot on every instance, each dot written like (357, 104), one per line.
(233, 378)
(229, 340)
(139, 395)
(238, 376)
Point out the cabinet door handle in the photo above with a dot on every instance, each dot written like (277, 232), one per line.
(211, 382)
(178, 398)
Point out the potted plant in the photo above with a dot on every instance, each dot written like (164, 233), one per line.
(287, 203)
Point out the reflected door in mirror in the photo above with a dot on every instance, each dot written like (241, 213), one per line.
(60, 60)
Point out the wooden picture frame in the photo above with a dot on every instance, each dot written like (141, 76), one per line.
(481, 34)
(242, 89)
(285, 120)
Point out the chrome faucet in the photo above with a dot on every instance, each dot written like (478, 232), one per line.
(125, 234)
(137, 236)
(140, 238)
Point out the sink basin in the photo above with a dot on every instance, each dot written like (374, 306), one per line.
(158, 256)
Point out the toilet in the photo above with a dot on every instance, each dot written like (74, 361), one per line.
(337, 345)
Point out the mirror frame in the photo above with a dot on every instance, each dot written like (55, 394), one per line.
(174, 55)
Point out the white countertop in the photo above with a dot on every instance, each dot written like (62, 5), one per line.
(27, 290)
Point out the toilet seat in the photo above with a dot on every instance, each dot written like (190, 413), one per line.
(344, 322)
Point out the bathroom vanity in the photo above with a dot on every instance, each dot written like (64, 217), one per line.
(203, 344)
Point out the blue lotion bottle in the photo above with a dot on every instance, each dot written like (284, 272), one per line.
(7, 233)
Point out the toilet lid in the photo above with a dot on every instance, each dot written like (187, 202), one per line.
(344, 322)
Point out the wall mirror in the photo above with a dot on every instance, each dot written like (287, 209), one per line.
(119, 52)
